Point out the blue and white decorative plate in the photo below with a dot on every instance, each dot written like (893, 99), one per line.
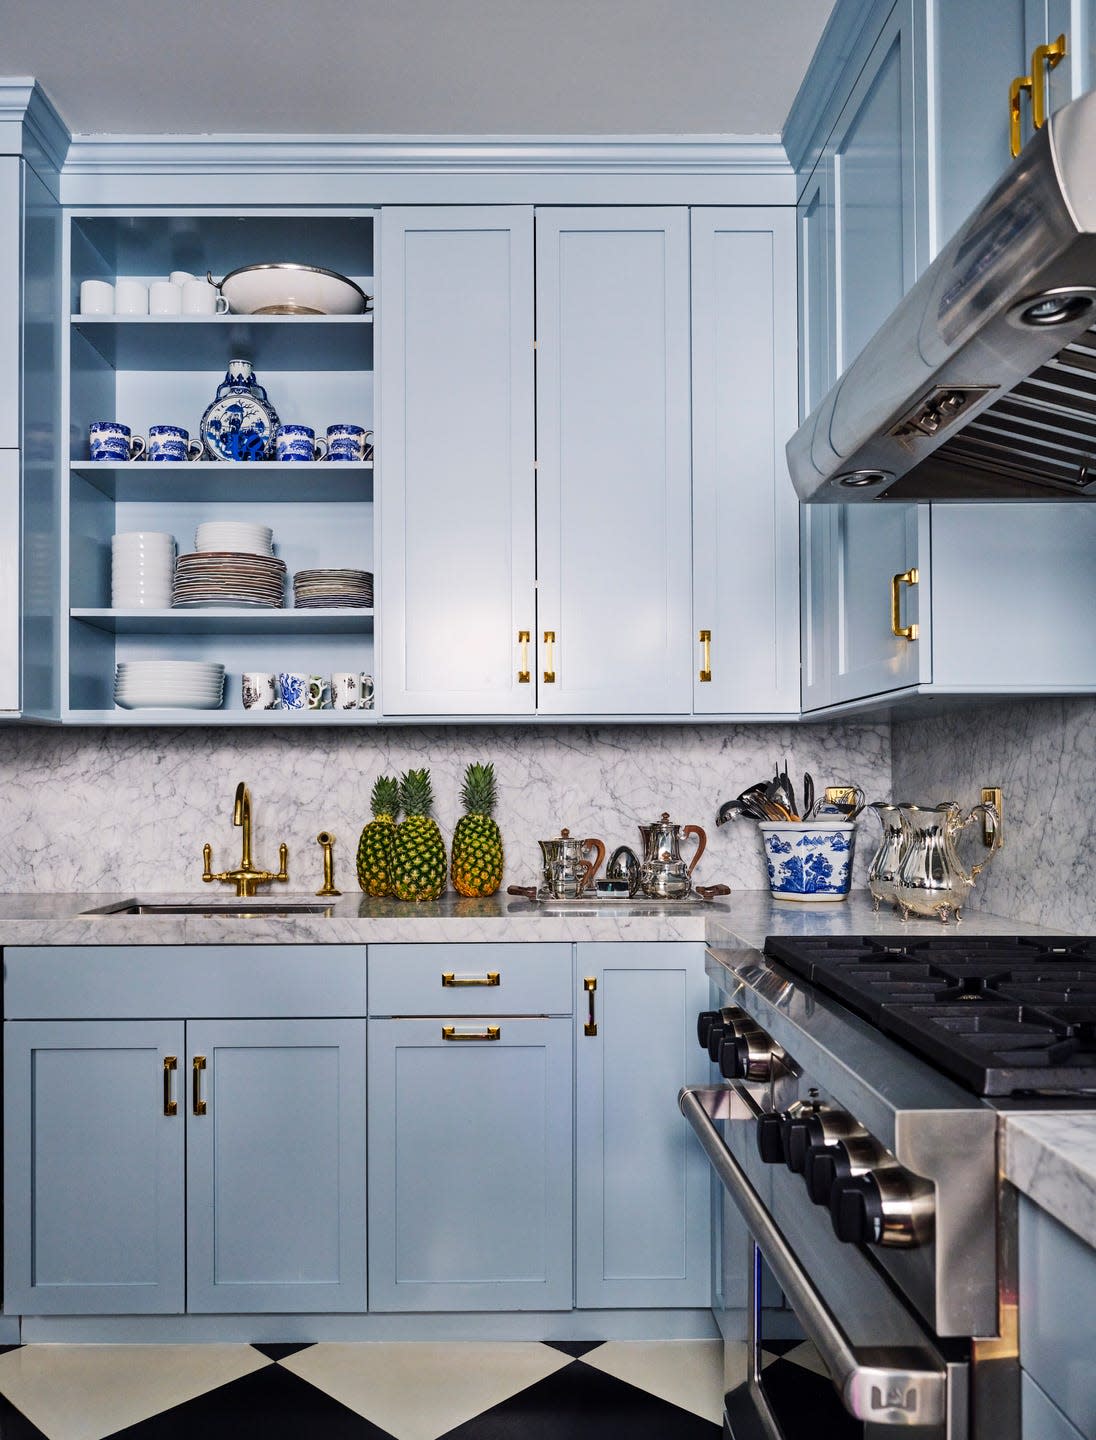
(809, 861)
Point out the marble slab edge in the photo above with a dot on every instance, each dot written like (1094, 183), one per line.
(1051, 1158)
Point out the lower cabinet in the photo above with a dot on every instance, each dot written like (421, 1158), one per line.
(642, 1213)
(163, 1166)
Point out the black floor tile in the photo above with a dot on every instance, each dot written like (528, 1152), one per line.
(279, 1352)
(581, 1403)
(575, 1348)
(13, 1425)
(269, 1404)
(801, 1399)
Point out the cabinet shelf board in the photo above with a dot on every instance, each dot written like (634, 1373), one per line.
(208, 342)
(227, 621)
(292, 718)
(209, 480)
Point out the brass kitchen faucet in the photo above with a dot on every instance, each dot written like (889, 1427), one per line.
(246, 879)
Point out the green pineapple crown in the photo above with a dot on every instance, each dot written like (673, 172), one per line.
(385, 799)
(479, 793)
(416, 796)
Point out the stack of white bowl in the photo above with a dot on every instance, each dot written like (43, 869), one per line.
(234, 537)
(142, 570)
(168, 684)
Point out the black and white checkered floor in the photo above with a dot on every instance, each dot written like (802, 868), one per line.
(560, 1390)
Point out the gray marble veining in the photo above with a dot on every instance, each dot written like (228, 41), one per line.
(117, 809)
(1052, 1159)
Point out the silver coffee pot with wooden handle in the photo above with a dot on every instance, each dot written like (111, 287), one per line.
(567, 869)
(665, 875)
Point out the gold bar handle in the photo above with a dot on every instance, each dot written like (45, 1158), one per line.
(902, 632)
(549, 657)
(450, 1032)
(589, 984)
(171, 1064)
(706, 662)
(1043, 60)
(523, 668)
(197, 1104)
(1015, 132)
(449, 980)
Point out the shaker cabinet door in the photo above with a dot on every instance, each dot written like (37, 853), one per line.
(10, 589)
(275, 1165)
(455, 457)
(745, 514)
(94, 1120)
(11, 311)
(613, 476)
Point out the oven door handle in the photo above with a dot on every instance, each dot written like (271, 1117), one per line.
(883, 1394)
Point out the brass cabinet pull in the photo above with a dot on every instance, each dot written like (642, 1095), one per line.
(590, 985)
(171, 1064)
(706, 663)
(449, 980)
(549, 657)
(523, 670)
(198, 1105)
(1015, 133)
(907, 577)
(450, 1032)
(1043, 60)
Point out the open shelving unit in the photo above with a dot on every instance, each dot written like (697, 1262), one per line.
(146, 370)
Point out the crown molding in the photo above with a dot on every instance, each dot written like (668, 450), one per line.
(30, 126)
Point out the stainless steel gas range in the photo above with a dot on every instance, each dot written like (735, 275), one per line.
(854, 1129)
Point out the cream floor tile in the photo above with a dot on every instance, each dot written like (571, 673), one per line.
(807, 1357)
(688, 1373)
(83, 1392)
(418, 1390)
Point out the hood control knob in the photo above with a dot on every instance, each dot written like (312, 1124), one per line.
(882, 1207)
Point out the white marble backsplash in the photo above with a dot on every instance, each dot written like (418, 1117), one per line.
(118, 809)
(1043, 755)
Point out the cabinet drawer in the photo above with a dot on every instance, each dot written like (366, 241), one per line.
(470, 979)
(137, 982)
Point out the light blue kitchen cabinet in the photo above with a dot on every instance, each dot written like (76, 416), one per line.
(1057, 1272)
(11, 268)
(642, 1234)
(1066, 78)
(458, 583)
(613, 462)
(745, 515)
(94, 1177)
(470, 1192)
(10, 587)
(276, 1165)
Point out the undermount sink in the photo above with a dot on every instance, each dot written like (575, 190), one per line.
(238, 909)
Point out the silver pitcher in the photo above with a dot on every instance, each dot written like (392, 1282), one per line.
(664, 874)
(567, 870)
(883, 870)
(931, 878)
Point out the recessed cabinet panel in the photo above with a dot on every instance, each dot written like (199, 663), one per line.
(457, 424)
(93, 1168)
(11, 255)
(10, 597)
(745, 515)
(613, 481)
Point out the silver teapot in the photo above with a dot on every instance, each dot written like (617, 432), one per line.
(883, 870)
(567, 871)
(664, 874)
(931, 878)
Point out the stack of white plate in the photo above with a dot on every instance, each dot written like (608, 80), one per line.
(168, 684)
(142, 567)
(335, 589)
(221, 577)
(234, 535)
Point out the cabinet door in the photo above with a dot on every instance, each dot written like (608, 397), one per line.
(93, 1168)
(470, 1164)
(455, 459)
(275, 1165)
(613, 483)
(1044, 21)
(745, 514)
(642, 1185)
(11, 278)
(10, 589)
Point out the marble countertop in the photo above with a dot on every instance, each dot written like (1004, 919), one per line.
(1051, 1158)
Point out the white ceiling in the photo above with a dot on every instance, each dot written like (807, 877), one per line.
(415, 67)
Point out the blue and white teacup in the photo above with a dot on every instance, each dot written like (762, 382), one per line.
(348, 442)
(293, 689)
(111, 440)
(172, 442)
(298, 442)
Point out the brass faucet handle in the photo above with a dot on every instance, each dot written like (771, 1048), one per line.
(283, 863)
(207, 864)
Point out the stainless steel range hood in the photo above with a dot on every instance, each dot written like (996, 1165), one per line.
(982, 383)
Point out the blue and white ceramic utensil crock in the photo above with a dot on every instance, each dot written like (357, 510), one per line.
(241, 423)
(810, 861)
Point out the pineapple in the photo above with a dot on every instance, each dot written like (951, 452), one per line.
(375, 844)
(416, 864)
(477, 845)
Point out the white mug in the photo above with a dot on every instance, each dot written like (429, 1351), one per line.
(201, 298)
(164, 298)
(180, 277)
(260, 691)
(365, 691)
(96, 297)
(344, 690)
(130, 297)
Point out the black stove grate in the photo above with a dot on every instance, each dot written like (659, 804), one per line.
(1003, 1016)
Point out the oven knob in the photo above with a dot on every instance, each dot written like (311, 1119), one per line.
(704, 1022)
(720, 1025)
(823, 1127)
(826, 1164)
(770, 1139)
(746, 1052)
(881, 1207)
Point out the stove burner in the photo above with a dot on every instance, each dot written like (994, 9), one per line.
(1002, 1016)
